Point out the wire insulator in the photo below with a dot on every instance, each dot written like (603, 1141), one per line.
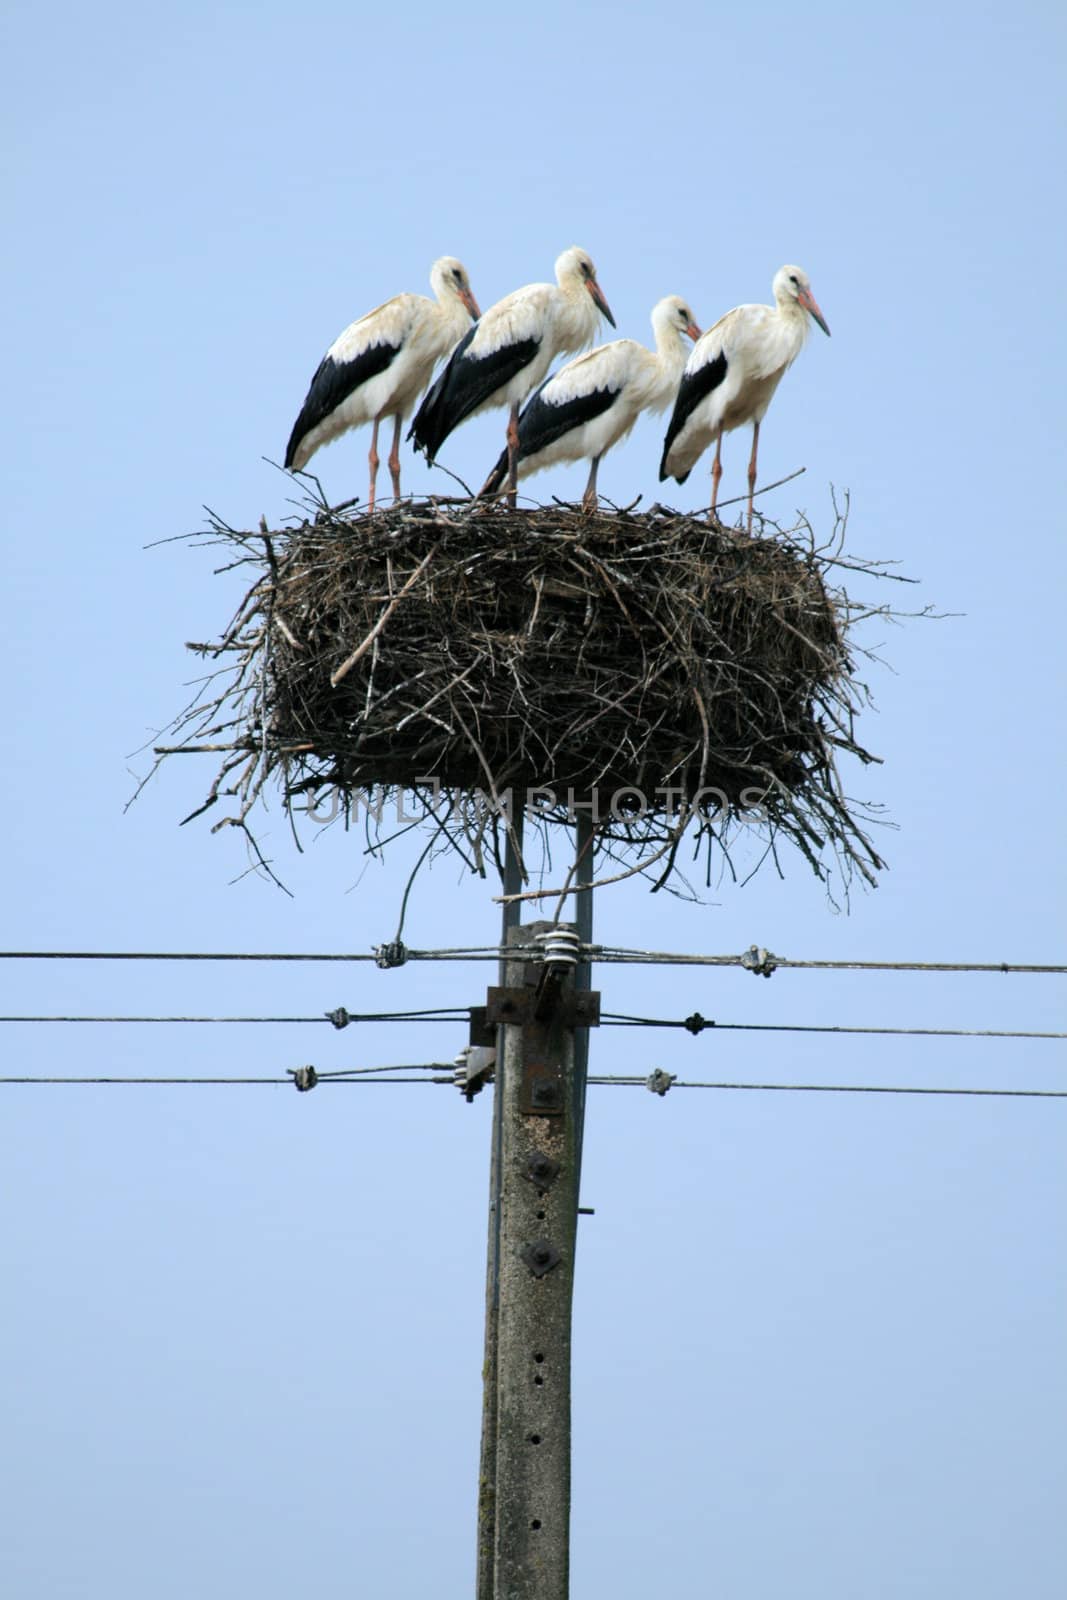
(392, 954)
(474, 1068)
(696, 1023)
(759, 961)
(559, 946)
(339, 1018)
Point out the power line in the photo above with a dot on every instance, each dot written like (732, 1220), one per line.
(842, 1088)
(755, 959)
(763, 962)
(694, 1024)
(284, 1083)
(441, 1014)
(697, 1024)
(474, 953)
(361, 1076)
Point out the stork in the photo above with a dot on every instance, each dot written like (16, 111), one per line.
(731, 376)
(504, 358)
(379, 366)
(594, 401)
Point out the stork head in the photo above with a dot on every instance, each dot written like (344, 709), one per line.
(672, 314)
(793, 286)
(574, 266)
(448, 279)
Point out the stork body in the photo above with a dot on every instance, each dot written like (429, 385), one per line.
(731, 376)
(593, 402)
(506, 356)
(380, 365)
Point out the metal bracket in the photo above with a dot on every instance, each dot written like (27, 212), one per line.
(541, 1090)
(540, 1257)
(480, 1030)
(578, 1009)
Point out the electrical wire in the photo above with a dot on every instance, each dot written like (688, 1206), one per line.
(616, 954)
(362, 1076)
(441, 1014)
(605, 954)
(610, 1019)
(697, 1024)
(284, 1083)
(474, 953)
(842, 1088)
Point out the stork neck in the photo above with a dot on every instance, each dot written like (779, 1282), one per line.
(670, 347)
(578, 317)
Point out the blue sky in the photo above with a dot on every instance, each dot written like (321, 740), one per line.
(818, 1339)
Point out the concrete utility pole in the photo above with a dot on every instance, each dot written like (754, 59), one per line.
(487, 1466)
(524, 1499)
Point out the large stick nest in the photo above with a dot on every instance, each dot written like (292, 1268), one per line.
(674, 672)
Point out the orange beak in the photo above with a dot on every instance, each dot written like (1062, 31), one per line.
(693, 332)
(598, 299)
(807, 300)
(467, 296)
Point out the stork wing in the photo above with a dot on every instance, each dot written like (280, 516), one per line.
(547, 416)
(467, 381)
(332, 384)
(695, 386)
(364, 349)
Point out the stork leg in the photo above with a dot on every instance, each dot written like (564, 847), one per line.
(716, 474)
(394, 458)
(589, 500)
(513, 454)
(752, 471)
(373, 460)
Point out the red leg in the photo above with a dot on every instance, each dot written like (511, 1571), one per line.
(373, 459)
(513, 454)
(716, 474)
(394, 458)
(589, 499)
(752, 471)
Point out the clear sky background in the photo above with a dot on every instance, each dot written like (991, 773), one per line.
(818, 1338)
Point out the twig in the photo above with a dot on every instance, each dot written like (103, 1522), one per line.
(346, 666)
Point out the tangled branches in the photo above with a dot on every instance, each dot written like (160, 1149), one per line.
(667, 673)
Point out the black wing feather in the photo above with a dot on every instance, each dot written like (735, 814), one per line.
(541, 423)
(332, 384)
(694, 387)
(465, 384)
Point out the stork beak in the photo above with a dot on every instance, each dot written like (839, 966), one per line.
(467, 296)
(693, 332)
(598, 299)
(807, 300)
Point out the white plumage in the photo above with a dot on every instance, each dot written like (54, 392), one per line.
(593, 402)
(509, 352)
(731, 376)
(380, 365)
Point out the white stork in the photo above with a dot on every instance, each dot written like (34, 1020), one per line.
(594, 401)
(731, 376)
(500, 361)
(380, 365)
